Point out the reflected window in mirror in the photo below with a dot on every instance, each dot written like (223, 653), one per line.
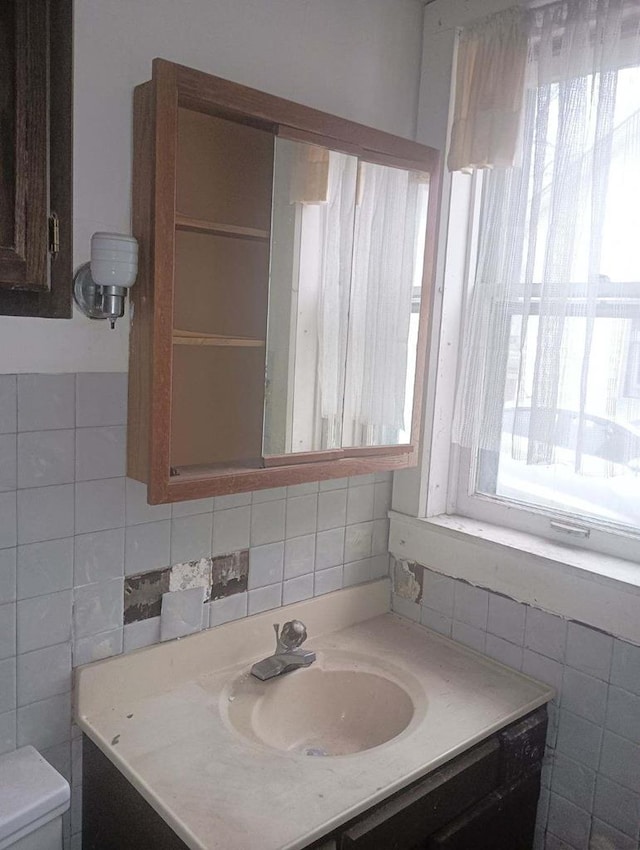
(310, 278)
(386, 286)
(347, 246)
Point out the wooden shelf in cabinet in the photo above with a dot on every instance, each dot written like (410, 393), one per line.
(196, 225)
(197, 338)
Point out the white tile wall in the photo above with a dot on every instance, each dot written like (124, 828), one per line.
(8, 559)
(147, 546)
(297, 589)
(231, 529)
(8, 404)
(266, 565)
(267, 522)
(264, 598)
(191, 537)
(227, 609)
(72, 526)
(101, 452)
(66, 543)
(45, 513)
(329, 548)
(46, 402)
(8, 521)
(45, 457)
(590, 797)
(142, 633)
(98, 556)
(45, 567)
(299, 556)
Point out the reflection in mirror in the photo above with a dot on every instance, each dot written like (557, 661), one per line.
(311, 256)
(347, 246)
(386, 288)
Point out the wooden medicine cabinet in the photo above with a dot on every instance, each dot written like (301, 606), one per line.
(279, 328)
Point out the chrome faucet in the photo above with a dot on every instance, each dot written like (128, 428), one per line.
(288, 655)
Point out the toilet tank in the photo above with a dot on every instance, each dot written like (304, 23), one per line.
(33, 798)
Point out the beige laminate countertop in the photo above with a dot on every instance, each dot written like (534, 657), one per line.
(159, 715)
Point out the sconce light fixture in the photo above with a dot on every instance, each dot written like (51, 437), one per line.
(100, 287)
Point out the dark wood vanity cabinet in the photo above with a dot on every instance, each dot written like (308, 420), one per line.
(483, 799)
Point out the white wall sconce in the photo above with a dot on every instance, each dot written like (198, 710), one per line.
(100, 287)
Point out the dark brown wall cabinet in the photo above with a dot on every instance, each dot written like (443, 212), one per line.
(35, 158)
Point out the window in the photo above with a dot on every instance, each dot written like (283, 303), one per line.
(548, 410)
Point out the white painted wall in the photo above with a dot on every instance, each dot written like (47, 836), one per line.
(356, 58)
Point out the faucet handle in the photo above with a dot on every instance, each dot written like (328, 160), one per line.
(293, 634)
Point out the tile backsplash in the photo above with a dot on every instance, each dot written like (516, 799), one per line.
(88, 569)
(590, 798)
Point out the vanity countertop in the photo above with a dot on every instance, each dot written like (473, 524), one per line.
(160, 715)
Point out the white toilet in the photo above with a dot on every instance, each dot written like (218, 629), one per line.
(33, 798)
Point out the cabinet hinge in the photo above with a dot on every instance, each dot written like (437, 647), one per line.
(54, 234)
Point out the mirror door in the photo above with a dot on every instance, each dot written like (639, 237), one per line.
(384, 310)
(314, 199)
(347, 251)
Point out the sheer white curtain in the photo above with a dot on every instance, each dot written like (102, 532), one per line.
(556, 294)
(489, 85)
(388, 227)
(334, 248)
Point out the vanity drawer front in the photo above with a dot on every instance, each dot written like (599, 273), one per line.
(505, 820)
(406, 820)
(523, 745)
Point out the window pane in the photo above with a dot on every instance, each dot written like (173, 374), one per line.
(594, 466)
(560, 418)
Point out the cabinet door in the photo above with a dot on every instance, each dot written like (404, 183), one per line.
(504, 820)
(405, 821)
(35, 158)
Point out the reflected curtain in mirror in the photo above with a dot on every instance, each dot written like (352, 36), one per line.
(385, 288)
(345, 285)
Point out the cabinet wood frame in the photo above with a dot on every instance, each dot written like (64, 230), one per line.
(34, 281)
(155, 221)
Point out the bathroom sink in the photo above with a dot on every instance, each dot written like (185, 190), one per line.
(319, 712)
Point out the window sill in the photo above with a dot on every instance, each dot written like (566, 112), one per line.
(599, 590)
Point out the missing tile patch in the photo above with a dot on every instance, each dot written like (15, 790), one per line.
(408, 579)
(191, 574)
(143, 595)
(217, 577)
(229, 574)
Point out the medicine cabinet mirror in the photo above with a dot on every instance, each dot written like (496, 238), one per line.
(347, 257)
(281, 313)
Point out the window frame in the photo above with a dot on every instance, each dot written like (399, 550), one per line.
(448, 471)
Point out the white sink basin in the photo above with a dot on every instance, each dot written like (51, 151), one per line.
(317, 711)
